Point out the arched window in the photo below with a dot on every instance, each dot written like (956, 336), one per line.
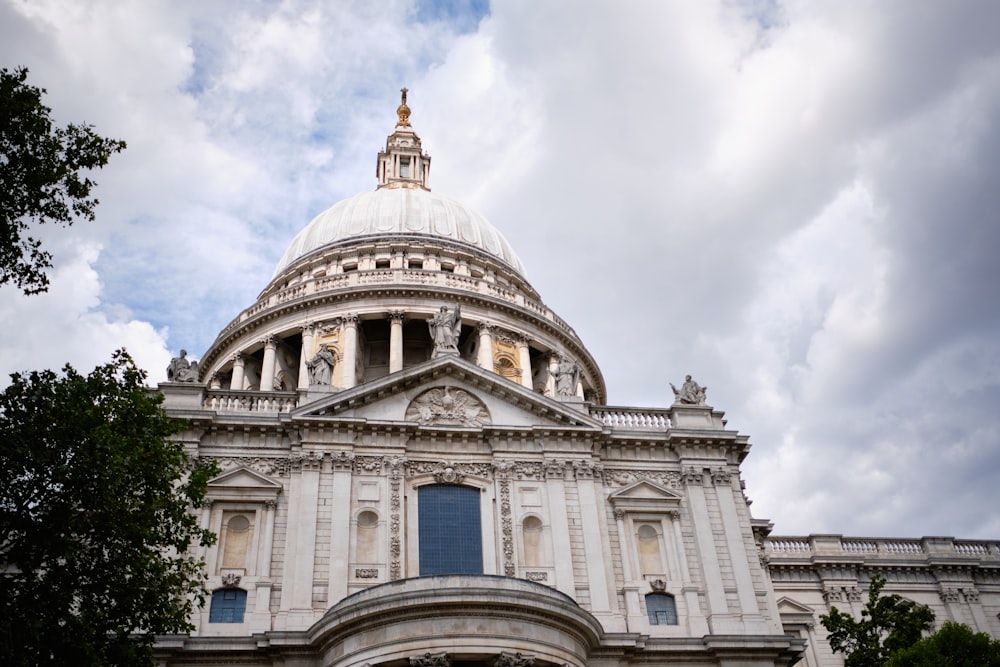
(228, 606)
(661, 608)
(449, 529)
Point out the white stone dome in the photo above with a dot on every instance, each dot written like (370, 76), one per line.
(399, 212)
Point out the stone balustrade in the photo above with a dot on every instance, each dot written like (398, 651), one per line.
(879, 547)
(632, 419)
(400, 276)
(225, 400)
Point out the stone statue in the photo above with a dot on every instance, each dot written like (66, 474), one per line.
(445, 329)
(567, 375)
(690, 393)
(321, 366)
(182, 370)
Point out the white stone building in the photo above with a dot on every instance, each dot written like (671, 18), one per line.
(420, 468)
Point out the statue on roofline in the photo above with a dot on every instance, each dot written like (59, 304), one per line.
(182, 370)
(690, 393)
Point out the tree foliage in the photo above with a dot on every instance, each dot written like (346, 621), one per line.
(888, 623)
(95, 520)
(40, 177)
(954, 645)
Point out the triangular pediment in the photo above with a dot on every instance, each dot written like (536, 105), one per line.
(448, 392)
(243, 484)
(645, 496)
(789, 606)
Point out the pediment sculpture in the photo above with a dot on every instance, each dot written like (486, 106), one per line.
(450, 406)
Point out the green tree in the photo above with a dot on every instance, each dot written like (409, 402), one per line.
(954, 645)
(40, 178)
(95, 520)
(888, 623)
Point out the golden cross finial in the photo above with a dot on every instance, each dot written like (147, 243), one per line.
(403, 111)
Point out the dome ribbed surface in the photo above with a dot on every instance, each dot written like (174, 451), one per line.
(400, 211)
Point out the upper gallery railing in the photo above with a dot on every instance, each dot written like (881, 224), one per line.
(878, 547)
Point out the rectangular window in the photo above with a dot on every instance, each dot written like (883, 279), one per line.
(228, 606)
(449, 529)
(404, 167)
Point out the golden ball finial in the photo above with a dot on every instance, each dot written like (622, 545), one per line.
(403, 111)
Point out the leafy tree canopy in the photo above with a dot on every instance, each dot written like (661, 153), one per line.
(95, 520)
(954, 645)
(888, 623)
(40, 178)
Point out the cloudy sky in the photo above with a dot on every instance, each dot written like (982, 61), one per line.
(795, 202)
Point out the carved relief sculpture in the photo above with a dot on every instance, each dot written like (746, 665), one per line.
(448, 405)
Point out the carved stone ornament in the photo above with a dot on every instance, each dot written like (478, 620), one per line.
(513, 660)
(658, 585)
(431, 660)
(692, 476)
(231, 580)
(536, 576)
(366, 572)
(450, 406)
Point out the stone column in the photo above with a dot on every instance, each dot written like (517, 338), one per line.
(555, 483)
(349, 369)
(307, 348)
(267, 368)
(300, 541)
(485, 357)
(267, 538)
(697, 625)
(237, 381)
(738, 556)
(206, 524)
(524, 355)
(395, 341)
(708, 553)
(594, 546)
(340, 525)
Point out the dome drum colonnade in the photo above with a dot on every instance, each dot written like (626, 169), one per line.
(366, 277)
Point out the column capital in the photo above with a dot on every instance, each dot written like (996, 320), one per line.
(237, 358)
(396, 316)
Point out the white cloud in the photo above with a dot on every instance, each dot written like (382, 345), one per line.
(796, 207)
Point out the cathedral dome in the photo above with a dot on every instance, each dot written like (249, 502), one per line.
(399, 212)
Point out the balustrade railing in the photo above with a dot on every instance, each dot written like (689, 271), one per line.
(222, 400)
(405, 277)
(832, 545)
(632, 419)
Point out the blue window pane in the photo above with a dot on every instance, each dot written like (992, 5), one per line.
(228, 606)
(661, 608)
(448, 525)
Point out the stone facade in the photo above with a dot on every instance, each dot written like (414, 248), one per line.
(419, 466)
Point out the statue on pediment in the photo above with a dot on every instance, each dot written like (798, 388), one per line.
(690, 393)
(567, 375)
(445, 329)
(320, 367)
(182, 370)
